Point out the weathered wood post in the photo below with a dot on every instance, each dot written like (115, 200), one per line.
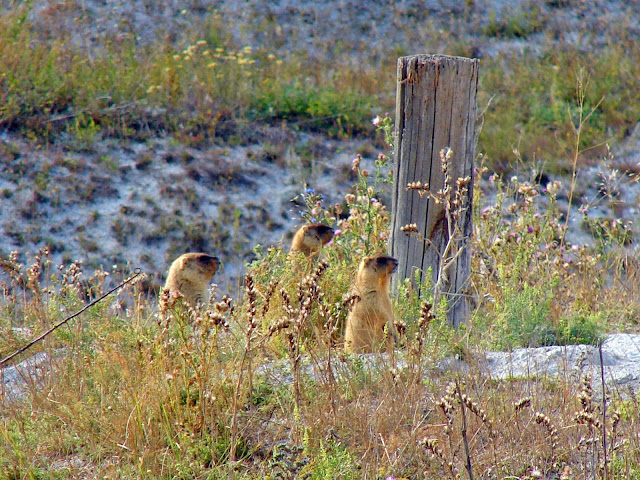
(435, 110)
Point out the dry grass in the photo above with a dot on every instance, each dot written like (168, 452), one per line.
(203, 87)
(259, 388)
(262, 389)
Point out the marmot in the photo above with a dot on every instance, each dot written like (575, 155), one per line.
(364, 332)
(190, 275)
(310, 238)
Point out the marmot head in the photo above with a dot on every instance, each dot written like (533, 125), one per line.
(310, 238)
(198, 266)
(375, 271)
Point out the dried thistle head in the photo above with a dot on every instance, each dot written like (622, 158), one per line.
(409, 228)
(545, 421)
(13, 268)
(251, 300)
(167, 299)
(287, 304)
(431, 445)
(224, 305)
(522, 404)
(475, 409)
(350, 300)
(426, 315)
(320, 269)
(271, 288)
(588, 418)
(447, 402)
(33, 275)
(400, 326)
(280, 325)
(72, 277)
(586, 393)
(422, 189)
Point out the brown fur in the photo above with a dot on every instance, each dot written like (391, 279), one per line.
(365, 323)
(190, 275)
(309, 239)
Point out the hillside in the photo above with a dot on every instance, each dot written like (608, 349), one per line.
(108, 197)
(131, 132)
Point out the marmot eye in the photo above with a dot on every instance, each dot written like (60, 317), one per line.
(207, 260)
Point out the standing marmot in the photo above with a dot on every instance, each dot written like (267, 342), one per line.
(310, 238)
(365, 323)
(190, 275)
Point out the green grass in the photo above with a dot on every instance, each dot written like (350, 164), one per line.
(139, 393)
(142, 393)
(199, 88)
(536, 104)
(204, 87)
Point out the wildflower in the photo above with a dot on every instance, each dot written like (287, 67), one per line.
(553, 188)
(376, 121)
(535, 473)
(355, 163)
(365, 173)
(337, 232)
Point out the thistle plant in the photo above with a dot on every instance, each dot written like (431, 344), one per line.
(366, 229)
(454, 199)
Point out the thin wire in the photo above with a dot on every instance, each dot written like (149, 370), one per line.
(5, 361)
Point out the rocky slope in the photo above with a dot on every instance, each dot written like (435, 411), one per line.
(130, 204)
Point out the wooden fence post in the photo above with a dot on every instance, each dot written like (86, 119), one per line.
(435, 110)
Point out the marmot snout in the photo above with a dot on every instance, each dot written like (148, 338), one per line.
(365, 323)
(190, 274)
(309, 239)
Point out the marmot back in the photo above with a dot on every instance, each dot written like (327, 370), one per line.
(309, 239)
(190, 274)
(365, 323)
